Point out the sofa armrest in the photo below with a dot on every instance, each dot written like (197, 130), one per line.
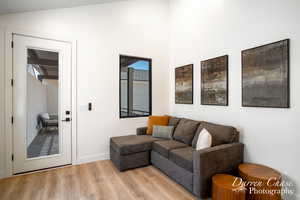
(141, 131)
(210, 161)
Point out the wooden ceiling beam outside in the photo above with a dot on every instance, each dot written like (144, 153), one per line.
(45, 71)
(32, 54)
(47, 62)
(50, 68)
(53, 77)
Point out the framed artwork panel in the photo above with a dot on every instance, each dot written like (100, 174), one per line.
(214, 81)
(265, 76)
(184, 84)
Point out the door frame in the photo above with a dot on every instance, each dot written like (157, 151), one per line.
(8, 56)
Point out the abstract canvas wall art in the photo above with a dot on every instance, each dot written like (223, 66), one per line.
(214, 81)
(265, 76)
(184, 85)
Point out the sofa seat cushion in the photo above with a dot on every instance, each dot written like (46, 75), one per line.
(183, 157)
(185, 131)
(165, 146)
(130, 144)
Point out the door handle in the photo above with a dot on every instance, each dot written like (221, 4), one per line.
(67, 119)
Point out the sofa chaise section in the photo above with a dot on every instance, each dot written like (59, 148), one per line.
(132, 151)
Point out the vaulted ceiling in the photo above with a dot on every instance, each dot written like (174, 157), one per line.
(14, 6)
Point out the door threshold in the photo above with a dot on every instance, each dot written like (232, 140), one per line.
(41, 170)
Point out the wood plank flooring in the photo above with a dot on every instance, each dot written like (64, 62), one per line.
(93, 181)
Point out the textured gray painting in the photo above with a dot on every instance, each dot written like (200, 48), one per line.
(265, 74)
(184, 85)
(214, 73)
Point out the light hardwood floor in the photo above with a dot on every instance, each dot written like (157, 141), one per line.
(92, 181)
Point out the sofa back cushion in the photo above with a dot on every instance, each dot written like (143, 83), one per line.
(185, 131)
(220, 134)
(174, 121)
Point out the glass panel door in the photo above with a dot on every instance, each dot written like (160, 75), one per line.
(42, 125)
(42, 135)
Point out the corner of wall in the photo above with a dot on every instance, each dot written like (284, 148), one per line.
(2, 150)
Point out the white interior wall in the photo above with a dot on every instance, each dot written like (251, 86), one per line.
(2, 149)
(206, 29)
(52, 96)
(199, 30)
(36, 104)
(138, 28)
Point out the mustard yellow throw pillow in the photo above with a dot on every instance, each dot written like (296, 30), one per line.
(158, 121)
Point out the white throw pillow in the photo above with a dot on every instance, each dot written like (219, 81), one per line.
(204, 140)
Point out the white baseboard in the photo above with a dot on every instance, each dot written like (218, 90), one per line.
(92, 158)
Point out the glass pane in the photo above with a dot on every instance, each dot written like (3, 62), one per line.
(42, 103)
(135, 86)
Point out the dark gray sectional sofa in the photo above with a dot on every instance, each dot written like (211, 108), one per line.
(177, 157)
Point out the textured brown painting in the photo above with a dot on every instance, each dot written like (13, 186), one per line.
(265, 74)
(184, 85)
(214, 84)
